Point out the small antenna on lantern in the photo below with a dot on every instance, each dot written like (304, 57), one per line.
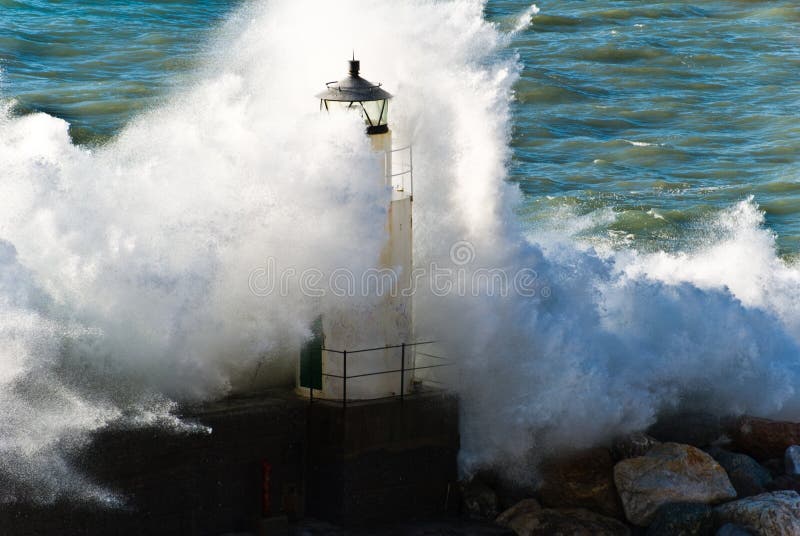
(355, 65)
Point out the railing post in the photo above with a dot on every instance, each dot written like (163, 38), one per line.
(411, 169)
(402, 371)
(344, 379)
(311, 383)
(387, 166)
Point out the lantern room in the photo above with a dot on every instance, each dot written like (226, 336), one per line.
(357, 94)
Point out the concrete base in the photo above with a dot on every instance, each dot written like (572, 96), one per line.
(204, 484)
(381, 461)
(274, 526)
(371, 462)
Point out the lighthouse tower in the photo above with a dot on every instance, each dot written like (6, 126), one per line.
(334, 364)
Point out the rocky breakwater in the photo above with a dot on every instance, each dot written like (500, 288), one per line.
(729, 477)
(669, 473)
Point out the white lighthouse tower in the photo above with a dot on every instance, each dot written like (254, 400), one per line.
(356, 356)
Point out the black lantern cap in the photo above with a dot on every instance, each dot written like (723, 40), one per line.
(354, 88)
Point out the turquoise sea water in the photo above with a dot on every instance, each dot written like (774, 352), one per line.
(644, 118)
(97, 63)
(664, 112)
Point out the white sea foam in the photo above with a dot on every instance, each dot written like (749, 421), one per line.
(641, 143)
(525, 19)
(124, 271)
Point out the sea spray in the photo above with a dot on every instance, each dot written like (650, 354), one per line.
(128, 267)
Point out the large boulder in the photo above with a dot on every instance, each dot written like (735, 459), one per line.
(768, 514)
(632, 445)
(775, 466)
(682, 519)
(791, 460)
(763, 438)
(520, 510)
(480, 501)
(785, 483)
(509, 488)
(747, 476)
(669, 473)
(729, 529)
(582, 480)
(527, 520)
(691, 428)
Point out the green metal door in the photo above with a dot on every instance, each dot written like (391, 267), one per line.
(311, 358)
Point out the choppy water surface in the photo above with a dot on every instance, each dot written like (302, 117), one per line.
(97, 62)
(661, 112)
(647, 118)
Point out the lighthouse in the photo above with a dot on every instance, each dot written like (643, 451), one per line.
(357, 355)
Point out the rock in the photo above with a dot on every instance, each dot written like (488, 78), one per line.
(508, 488)
(785, 483)
(746, 475)
(669, 473)
(523, 508)
(775, 466)
(792, 460)
(582, 480)
(768, 514)
(631, 446)
(510, 492)
(729, 529)
(480, 501)
(763, 438)
(565, 522)
(690, 428)
(682, 519)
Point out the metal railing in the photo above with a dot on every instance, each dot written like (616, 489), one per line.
(403, 370)
(400, 175)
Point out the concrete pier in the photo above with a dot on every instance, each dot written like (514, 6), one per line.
(380, 461)
(270, 459)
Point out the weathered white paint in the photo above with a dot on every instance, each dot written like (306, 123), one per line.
(389, 324)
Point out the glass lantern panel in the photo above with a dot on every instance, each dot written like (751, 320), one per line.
(385, 113)
(374, 113)
(378, 112)
(339, 106)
